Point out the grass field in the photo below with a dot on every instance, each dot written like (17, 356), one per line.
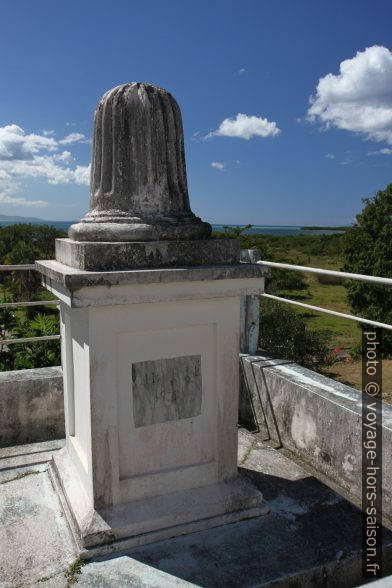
(350, 373)
(344, 334)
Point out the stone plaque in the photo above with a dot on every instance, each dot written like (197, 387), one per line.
(166, 389)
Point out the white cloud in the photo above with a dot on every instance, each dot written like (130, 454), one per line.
(73, 138)
(6, 199)
(241, 71)
(82, 175)
(359, 98)
(25, 156)
(346, 161)
(15, 144)
(65, 156)
(245, 127)
(385, 151)
(48, 133)
(218, 165)
(329, 156)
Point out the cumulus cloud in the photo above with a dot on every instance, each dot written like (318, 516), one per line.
(73, 138)
(218, 165)
(359, 98)
(245, 127)
(385, 151)
(329, 156)
(25, 156)
(15, 144)
(241, 71)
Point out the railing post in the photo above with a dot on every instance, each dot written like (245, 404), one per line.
(250, 310)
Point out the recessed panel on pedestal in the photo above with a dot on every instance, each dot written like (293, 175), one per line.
(167, 406)
(166, 389)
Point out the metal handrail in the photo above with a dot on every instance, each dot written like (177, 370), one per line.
(20, 267)
(5, 305)
(317, 270)
(327, 311)
(28, 339)
(23, 304)
(343, 275)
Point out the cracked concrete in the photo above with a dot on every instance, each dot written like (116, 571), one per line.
(311, 537)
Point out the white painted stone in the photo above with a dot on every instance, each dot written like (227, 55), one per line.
(136, 483)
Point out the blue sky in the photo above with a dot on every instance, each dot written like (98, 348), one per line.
(284, 162)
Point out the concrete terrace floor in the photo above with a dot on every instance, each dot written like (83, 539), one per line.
(311, 536)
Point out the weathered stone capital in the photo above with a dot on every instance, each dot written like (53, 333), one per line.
(138, 177)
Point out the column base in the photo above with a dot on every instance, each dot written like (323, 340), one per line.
(127, 255)
(120, 527)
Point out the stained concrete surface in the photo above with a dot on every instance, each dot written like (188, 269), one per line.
(31, 406)
(311, 537)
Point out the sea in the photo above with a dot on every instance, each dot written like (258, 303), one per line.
(255, 230)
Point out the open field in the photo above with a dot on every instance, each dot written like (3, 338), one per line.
(350, 373)
(344, 334)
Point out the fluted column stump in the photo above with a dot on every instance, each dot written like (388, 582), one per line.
(150, 312)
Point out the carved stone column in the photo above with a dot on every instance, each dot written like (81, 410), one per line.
(150, 315)
(138, 179)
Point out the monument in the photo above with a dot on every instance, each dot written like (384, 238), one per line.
(150, 308)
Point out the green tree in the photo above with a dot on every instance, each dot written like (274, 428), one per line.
(21, 244)
(368, 250)
(283, 332)
(35, 354)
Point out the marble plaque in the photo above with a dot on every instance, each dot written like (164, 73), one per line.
(166, 389)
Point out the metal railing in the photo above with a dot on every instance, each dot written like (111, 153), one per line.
(250, 254)
(343, 276)
(9, 305)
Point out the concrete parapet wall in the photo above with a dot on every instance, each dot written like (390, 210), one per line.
(316, 417)
(31, 406)
(313, 416)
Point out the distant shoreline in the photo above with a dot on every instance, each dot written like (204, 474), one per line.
(317, 228)
(274, 230)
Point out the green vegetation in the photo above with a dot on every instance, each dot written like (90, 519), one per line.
(283, 332)
(72, 572)
(368, 250)
(324, 342)
(324, 251)
(327, 343)
(23, 244)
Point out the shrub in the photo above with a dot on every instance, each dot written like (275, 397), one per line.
(329, 280)
(283, 332)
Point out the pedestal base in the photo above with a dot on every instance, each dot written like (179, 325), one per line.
(109, 530)
(126, 255)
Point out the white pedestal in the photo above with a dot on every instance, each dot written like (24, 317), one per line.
(151, 401)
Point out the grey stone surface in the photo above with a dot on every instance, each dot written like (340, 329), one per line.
(110, 530)
(126, 571)
(310, 538)
(31, 406)
(166, 389)
(138, 177)
(315, 417)
(35, 542)
(382, 583)
(73, 278)
(250, 255)
(250, 310)
(151, 254)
